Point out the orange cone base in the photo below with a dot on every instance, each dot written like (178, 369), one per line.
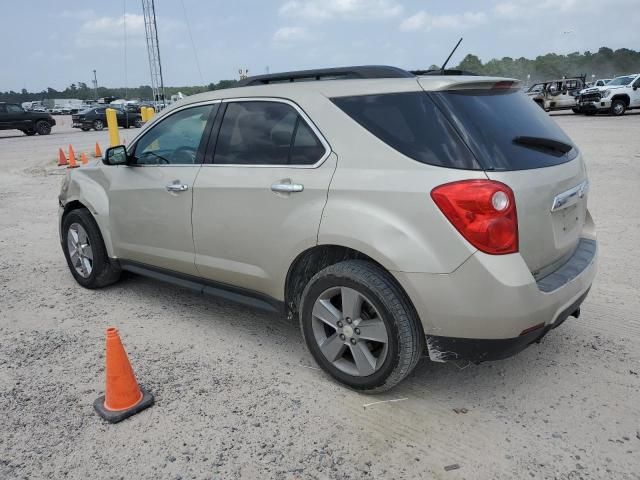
(115, 416)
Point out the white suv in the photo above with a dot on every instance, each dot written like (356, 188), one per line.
(617, 96)
(392, 214)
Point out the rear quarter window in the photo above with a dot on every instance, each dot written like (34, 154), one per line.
(490, 121)
(413, 125)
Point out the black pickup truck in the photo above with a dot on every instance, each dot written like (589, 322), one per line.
(14, 117)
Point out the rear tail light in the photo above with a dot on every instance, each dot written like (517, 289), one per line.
(483, 211)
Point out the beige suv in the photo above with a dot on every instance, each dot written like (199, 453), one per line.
(393, 214)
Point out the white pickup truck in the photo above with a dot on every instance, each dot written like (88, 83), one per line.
(616, 97)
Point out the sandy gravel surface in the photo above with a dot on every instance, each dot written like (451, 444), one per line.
(238, 396)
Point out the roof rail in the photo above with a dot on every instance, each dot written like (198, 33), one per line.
(437, 71)
(340, 73)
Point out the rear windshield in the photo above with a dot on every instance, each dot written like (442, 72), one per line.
(413, 125)
(491, 121)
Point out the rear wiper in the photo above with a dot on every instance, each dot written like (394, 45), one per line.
(542, 143)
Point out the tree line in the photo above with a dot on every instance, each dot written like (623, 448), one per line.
(83, 92)
(605, 63)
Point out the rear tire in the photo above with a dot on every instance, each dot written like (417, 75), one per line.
(85, 129)
(387, 333)
(618, 108)
(97, 272)
(98, 125)
(43, 127)
(29, 132)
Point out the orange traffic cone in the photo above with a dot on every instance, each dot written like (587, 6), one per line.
(98, 152)
(83, 158)
(62, 159)
(123, 397)
(72, 158)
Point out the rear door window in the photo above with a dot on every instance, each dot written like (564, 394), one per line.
(266, 133)
(491, 121)
(411, 124)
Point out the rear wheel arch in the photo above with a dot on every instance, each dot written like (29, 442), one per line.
(313, 260)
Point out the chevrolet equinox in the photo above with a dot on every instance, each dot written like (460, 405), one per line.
(393, 214)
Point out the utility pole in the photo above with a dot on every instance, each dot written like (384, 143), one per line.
(153, 51)
(95, 86)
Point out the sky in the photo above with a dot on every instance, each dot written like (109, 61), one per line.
(53, 44)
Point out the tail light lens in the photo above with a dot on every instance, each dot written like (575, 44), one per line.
(483, 211)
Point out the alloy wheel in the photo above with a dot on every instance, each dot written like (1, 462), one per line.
(349, 331)
(80, 252)
(618, 108)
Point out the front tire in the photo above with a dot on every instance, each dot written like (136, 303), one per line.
(98, 125)
(85, 251)
(360, 327)
(618, 108)
(30, 132)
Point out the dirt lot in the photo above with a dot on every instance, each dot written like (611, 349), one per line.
(238, 396)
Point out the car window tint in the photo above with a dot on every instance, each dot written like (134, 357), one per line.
(3, 109)
(307, 148)
(14, 109)
(411, 124)
(490, 121)
(175, 140)
(265, 133)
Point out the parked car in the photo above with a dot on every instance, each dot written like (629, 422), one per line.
(616, 97)
(55, 111)
(96, 118)
(600, 82)
(557, 94)
(391, 214)
(14, 117)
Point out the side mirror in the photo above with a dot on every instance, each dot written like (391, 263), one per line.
(115, 156)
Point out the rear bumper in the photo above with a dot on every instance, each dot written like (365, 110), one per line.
(491, 307)
(478, 350)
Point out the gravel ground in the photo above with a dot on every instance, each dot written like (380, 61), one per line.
(238, 396)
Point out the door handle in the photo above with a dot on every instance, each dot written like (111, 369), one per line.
(177, 187)
(287, 187)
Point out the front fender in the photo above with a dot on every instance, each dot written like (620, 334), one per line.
(88, 186)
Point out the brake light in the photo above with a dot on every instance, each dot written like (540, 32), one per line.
(483, 211)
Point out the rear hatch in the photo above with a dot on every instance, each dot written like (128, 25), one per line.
(518, 144)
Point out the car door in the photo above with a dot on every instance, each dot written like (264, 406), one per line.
(259, 197)
(150, 198)
(16, 117)
(635, 93)
(4, 122)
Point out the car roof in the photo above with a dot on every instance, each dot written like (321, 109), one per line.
(338, 88)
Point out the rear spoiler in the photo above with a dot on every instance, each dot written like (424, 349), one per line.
(471, 83)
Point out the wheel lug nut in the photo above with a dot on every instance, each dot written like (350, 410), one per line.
(348, 320)
(353, 341)
(342, 337)
(340, 324)
(357, 330)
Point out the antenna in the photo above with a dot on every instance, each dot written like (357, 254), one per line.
(450, 55)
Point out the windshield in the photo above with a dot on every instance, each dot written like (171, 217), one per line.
(621, 81)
